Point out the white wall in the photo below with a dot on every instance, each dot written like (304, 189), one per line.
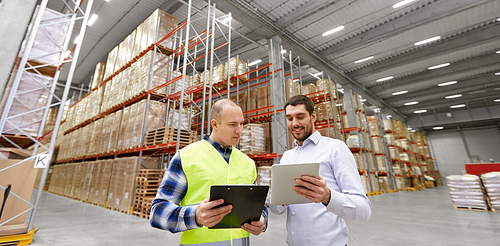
(449, 150)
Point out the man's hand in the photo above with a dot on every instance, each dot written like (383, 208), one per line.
(209, 217)
(256, 227)
(312, 188)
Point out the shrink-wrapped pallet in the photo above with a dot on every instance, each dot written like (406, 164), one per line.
(373, 125)
(394, 152)
(491, 183)
(123, 129)
(237, 67)
(323, 111)
(218, 75)
(122, 183)
(264, 175)
(47, 45)
(252, 139)
(391, 141)
(327, 86)
(110, 63)
(156, 27)
(384, 183)
(381, 163)
(388, 126)
(376, 145)
(97, 79)
(360, 159)
(309, 90)
(466, 191)
(30, 96)
(95, 136)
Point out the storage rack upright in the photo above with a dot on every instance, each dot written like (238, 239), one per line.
(30, 65)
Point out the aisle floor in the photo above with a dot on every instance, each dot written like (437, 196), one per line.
(405, 218)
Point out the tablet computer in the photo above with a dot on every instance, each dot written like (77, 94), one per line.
(247, 200)
(283, 180)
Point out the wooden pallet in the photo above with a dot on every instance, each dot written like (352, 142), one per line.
(470, 208)
(168, 135)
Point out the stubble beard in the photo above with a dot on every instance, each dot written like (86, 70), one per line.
(307, 133)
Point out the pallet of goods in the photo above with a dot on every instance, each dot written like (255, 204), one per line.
(467, 192)
(147, 183)
(165, 135)
(491, 182)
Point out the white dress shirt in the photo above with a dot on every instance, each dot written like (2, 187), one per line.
(315, 223)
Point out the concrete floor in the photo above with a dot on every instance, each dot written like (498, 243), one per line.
(404, 218)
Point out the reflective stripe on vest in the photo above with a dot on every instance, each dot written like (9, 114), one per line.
(204, 167)
(236, 242)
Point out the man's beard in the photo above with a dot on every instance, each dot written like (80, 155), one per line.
(307, 133)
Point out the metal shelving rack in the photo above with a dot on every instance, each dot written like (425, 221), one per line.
(39, 25)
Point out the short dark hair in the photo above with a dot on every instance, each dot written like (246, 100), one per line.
(301, 99)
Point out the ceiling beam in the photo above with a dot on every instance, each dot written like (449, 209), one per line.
(462, 86)
(478, 62)
(266, 28)
(465, 40)
(303, 11)
(457, 117)
(434, 11)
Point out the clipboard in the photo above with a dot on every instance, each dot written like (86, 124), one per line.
(283, 179)
(247, 200)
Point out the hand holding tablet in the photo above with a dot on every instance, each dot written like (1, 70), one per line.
(283, 178)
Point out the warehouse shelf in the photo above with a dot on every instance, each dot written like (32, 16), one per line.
(38, 68)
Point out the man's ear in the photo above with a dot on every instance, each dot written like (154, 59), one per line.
(313, 116)
(213, 123)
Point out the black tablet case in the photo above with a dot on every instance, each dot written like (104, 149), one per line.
(247, 200)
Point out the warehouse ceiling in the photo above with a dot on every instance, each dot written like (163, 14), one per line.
(466, 32)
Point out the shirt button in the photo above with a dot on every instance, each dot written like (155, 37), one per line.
(293, 234)
(293, 212)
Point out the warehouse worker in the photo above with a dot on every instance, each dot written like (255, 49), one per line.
(336, 194)
(182, 203)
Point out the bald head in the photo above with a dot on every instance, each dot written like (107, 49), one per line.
(218, 108)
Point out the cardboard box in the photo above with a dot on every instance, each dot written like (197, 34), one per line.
(20, 186)
(429, 184)
(253, 140)
(263, 98)
(98, 74)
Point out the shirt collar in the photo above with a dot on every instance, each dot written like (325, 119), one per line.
(216, 145)
(314, 138)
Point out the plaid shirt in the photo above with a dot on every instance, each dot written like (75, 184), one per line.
(166, 214)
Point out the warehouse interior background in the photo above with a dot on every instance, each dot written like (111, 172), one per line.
(469, 41)
(433, 64)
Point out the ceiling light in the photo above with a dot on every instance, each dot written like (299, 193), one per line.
(498, 19)
(338, 104)
(409, 128)
(477, 92)
(453, 96)
(283, 51)
(447, 83)
(107, 0)
(420, 111)
(411, 103)
(318, 74)
(364, 59)
(363, 100)
(333, 31)
(498, 52)
(399, 93)
(92, 19)
(427, 40)
(384, 79)
(497, 73)
(458, 106)
(255, 62)
(439, 66)
(402, 3)
(438, 128)
(413, 130)
(496, 100)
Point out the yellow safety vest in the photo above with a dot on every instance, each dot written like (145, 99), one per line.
(204, 167)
